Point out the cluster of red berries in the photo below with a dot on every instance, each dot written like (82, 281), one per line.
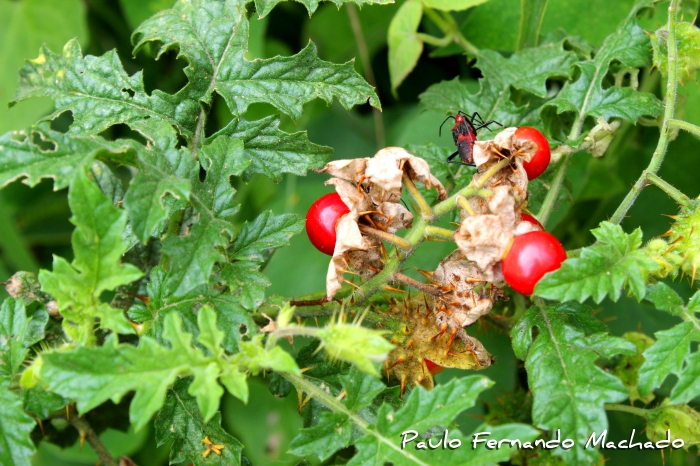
(530, 256)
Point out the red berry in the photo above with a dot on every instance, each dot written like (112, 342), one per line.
(321, 220)
(433, 368)
(531, 219)
(531, 256)
(539, 162)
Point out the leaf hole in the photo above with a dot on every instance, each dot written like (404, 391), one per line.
(62, 122)
(169, 66)
(129, 91)
(181, 141)
(44, 145)
(243, 329)
(219, 116)
(18, 136)
(122, 131)
(202, 174)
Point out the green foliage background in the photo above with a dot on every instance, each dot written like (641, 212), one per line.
(34, 221)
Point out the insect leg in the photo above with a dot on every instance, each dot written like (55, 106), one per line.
(443, 123)
(449, 160)
(486, 125)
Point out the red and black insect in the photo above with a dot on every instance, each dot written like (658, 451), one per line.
(464, 134)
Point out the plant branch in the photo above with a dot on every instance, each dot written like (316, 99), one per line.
(675, 194)
(385, 236)
(627, 409)
(439, 232)
(304, 385)
(85, 429)
(670, 99)
(684, 125)
(416, 284)
(553, 193)
(425, 209)
(379, 131)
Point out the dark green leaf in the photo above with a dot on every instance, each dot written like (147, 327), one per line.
(531, 16)
(243, 277)
(179, 420)
(361, 388)
(273, 152)
(602, 269)
(20, 327)
(41, 402)
(568, 389)
(16, 447)
(664, 298)
(268, 231)
(265, 6)
(332, 433)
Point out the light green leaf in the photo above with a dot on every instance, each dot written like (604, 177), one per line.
(602, 269)
(688, 385)
(235, 382)
(179, 420)
(16, 446)
(569, 390)
(206, 389)
(255, 358)
(209, 334)
(404, 45)
(531, 17)
(98, 247)
(664, 298)
(243, 277)
(40, 152)
(273, 152)
(452, 5)
(212, 36)
(266, 232)
(264, 7)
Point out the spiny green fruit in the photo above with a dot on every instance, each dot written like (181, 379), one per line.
(684, 237)
(682, 420)
(688, 40)
(665, 255)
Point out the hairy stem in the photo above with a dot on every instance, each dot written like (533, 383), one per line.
(425, 209)
(416, 284)
(439, 232)
(379, 131)
(675, 194)
(685, 126)
(670, 99)
(627, 409)
(304, 385)
(553, 193)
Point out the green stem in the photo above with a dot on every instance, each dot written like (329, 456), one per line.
(684, 125)
(553, 193)
(439, 232)
(439, 21)
(84, 428)
(662, 145)
(675, 194)
(436, 41)
(627, 409)
(304, 385)
(416, 284)
(385, 236)
(425, 209)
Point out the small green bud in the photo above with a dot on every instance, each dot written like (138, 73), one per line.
(685, 238)
(665, 256)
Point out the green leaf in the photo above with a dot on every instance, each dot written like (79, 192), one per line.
(273, 152)
(664, 298)
(98, 247)
(688, 385)
(97, 91)
(332, 433)
(21, 326)
(212, 35)
(209, 334)
(40, 152)
(569, 390)
(602, 269)
(42, 402)
(666, 356)
(179, 420)
(163, 183)
(361, 388)
(230, 314)
(404, 45)
(266, 232)
(264, 7)
(452, 5)
(626, 367)
(586, 96)
(422, 411)
(254, 358)
(25, 26)
(243, 277)
(531, 16)
(16, 446)
(193, 256)
(482, 455)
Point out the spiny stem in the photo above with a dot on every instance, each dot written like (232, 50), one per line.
(464, 204)
(379, 131)
(675, 194)
(385, 236)
(439, 232)
(670, 99)
(304, 385)
(84, 428)
(473, 188)
(425, 209)
(627, 409)
(416, 284)
(553, 192)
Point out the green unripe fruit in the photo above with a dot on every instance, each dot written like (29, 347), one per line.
(682, 420)
(666, 256)
(685, 237)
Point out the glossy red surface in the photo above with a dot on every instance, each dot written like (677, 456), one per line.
(322, 219)
(433, 368)
(531, 219)
(531, 256)
(540, 161)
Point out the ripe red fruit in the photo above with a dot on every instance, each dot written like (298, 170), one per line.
(540, 160)
(529, 218)
(530, 256)
(433, 368)
(321, 220)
